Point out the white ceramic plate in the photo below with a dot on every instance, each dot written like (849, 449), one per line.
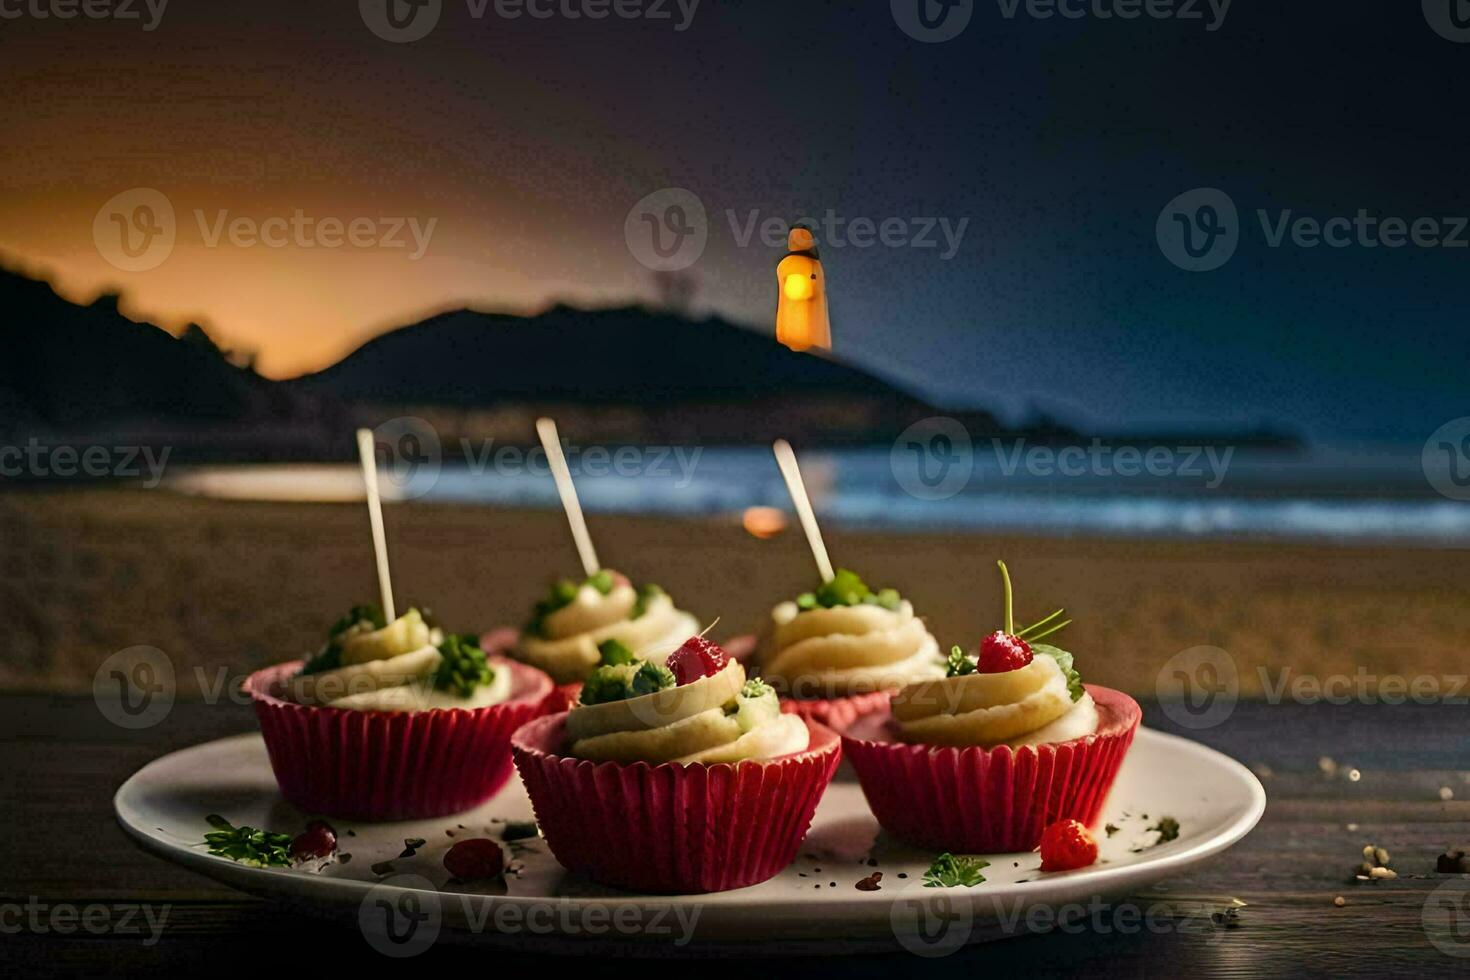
(1215, 800)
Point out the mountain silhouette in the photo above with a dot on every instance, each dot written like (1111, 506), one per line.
(628, 356)
(68, 364)
(627, 375)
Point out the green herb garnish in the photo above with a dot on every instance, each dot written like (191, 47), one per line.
(614, 654)
(846, 589)
(1064, 661)
(958, 664)
(949, 871)
(248, 845)
(652, 678)
(1168, 829)
(563, 593)
(756, 688)
(619, 682)
(362, 619)
(1035, 632)
(646, 594)
(464, 666)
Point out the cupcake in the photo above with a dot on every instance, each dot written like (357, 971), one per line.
(982, 759)
(674, 778)
(393, 721)
(567, 626)
(839, 651)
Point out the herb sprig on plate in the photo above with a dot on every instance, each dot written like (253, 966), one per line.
(955, 871)
(248, 845)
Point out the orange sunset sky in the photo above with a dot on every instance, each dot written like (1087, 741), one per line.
(527, 182)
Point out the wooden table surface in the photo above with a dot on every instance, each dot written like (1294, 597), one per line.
(63, 761)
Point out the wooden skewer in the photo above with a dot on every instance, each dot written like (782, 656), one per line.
(551, 442)
(786, 459)
(368, 455)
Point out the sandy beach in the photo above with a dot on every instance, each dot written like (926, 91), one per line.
(227, 587)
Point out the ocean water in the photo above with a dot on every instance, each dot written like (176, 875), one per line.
(1345, 495)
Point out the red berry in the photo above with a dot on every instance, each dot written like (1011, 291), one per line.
(475, 859)
(1000, 652)
(319, 840)
(697, 658)
(1066, 845)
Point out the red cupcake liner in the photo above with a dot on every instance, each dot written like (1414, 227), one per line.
(836, 713)
(401, 765)
(974, 800)
(561, 698)
(672, 828)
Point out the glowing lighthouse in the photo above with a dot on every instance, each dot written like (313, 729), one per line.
(801, 311)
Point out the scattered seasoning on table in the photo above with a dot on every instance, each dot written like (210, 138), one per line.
(872, 862)
(344, 857)
(1374, 866)
(383, 868)
(411, 846)
(1454, 861)
(801, 874)
(870, 883)
(831, 884)
(1339, 901)
(903, 874)
(351, 833)
(1111, 829)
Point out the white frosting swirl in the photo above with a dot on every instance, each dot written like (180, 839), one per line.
(1029, 706)
(568, 649)
(848, 650)
(392, 669)
(706, 721)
